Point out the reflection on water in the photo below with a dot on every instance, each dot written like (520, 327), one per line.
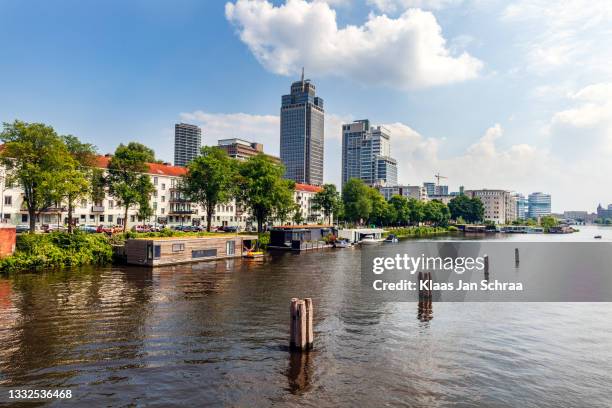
(216, 333)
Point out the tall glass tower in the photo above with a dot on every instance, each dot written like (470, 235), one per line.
(301, 133)
(187, 143)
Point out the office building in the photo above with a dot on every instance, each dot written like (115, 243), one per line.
(242, 149)
(539, 205)
(522, 206)
(187, 143)
(301, 133)
(416, 192)
(366, 154)
(499, 205)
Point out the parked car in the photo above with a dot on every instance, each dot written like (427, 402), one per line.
(89, 229)
(22, 228)
(108, 230)
(55, 228)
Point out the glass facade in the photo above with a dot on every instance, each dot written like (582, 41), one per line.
(302, 134)
(187, 143)
(366, 154)
(539, 205)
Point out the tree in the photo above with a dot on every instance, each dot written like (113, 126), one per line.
(37, 159)
(381, 213)
(416, 211)
(400, 210)
(327, 200)
(469, 209)
(210, 180)
(262, 189)
(128, 180)
(77, 182)
(436, 212)
(548, 221)
(356, 201)
(298, 216)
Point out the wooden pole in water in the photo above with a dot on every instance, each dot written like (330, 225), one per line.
(309, 328)
(293, 324)
(516, 256)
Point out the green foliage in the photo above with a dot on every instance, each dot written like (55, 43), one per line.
(420, 231)
(127, 177)
(400, 210)
(57, 250)
(38, 160)
(356, 201)
(436, 212)
(382, 213)
(327, 200)
(210, 180)
(469, 209)
(416, 211)
(548, 221)
(262, 189)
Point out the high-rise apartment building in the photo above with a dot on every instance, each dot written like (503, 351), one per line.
(499, 205)
(187, 143)
(539, 205)
(302, 133)
(366, 154)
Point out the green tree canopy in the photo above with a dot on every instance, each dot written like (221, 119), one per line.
(127, 179)
(210, 180)
(400, 210)
(262, 189)
(327, 200)
(356, 201)
(436, 212)
(416, 211)
(469, 209)
(38, 160)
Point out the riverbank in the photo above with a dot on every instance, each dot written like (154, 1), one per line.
(59, 250)
(421, 231)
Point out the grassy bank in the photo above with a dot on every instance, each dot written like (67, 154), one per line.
(407, 232)
(57, 250)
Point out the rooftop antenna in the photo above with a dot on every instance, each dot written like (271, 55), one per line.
(302, 76)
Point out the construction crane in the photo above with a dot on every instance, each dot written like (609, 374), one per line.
(438, 177)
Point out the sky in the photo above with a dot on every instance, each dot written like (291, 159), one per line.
(492, 94)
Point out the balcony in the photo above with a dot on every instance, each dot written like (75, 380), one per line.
(97, 208)
(181, 212)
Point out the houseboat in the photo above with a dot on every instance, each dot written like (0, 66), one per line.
(355, 235)
(175, 250)
(301, 237)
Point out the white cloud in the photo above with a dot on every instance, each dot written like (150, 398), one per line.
(565, 33)
(407, 52)
(392, 6)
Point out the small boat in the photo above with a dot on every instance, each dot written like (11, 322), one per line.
(391, 238)
(342, 243)
(597, 237)
(369, 240)
(254, 254)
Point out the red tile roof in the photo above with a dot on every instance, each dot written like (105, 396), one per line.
(307, 187)
(154, 168)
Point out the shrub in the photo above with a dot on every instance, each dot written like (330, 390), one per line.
(57, 250)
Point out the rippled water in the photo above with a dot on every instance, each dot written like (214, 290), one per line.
(216, 333)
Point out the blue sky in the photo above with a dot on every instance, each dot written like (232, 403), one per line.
(497, 94)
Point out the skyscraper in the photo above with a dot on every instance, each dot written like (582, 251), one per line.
(366, 154)
(187, 143)
(301, 133)
(539, 205)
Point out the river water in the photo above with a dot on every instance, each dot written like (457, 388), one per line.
(216, 334)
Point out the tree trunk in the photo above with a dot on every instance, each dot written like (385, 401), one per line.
(125, 219)
(70, 216)
(209, 215)
(259, 224)
(32, 216)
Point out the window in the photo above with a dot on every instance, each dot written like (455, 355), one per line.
(8, 200)
(157, 252)
(203, 253)
(132, 218)
(101, 217)
(92, 217)
(111, 204)
(83, 203)
(178, 247)
(163, 198)
(24, 217)
(163, 186)
(155, 181)
(155, 205)
(110, 218)
(83, 217)
(163, 210)
(7, 216)
(230, 247)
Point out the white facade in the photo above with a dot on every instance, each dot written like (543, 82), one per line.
(169, 207)
(416, 192)
(499, 205)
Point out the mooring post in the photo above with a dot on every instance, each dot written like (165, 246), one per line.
(309, 329)
(293, 323)
(516, 256)
(486, 267)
